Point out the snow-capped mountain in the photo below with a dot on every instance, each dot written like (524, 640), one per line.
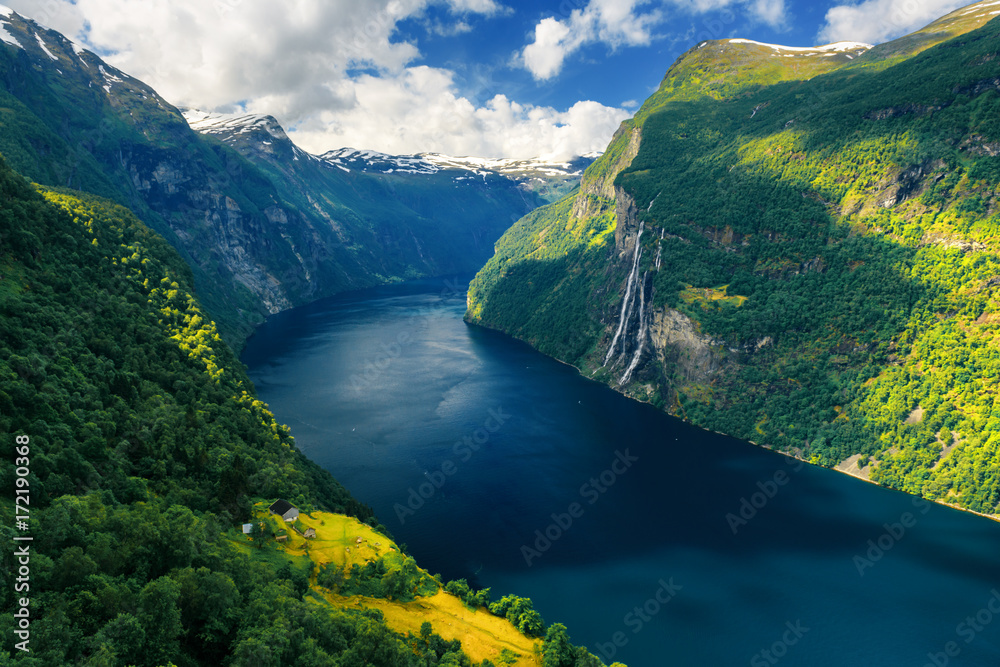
(263, 135)
(429, 163)
(221, 124)
(76, 67)
(265, 132)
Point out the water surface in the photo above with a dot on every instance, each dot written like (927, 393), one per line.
(495, 463)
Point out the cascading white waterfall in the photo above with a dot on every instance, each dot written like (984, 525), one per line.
(626, 303)
(628, 321)
(659, 247)
(641, 338)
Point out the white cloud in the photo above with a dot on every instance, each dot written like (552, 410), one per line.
(420, 111)
(485, 7)
(771, 12)
(875, 21)
(614, 22)
(544, 57)
(299, 60)
(447, 29)
(618, 23)
(211, 54)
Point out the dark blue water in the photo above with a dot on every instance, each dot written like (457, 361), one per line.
(656, 543)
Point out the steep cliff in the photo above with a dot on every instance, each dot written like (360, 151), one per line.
(801, 252)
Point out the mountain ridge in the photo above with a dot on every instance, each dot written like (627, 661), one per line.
(549, 178)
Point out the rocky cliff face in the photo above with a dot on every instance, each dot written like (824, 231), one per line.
(680, 346)
(224, 232)
(597, 189)
(626, 218)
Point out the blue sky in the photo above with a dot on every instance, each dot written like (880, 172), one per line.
(605, 71)
(494, 78)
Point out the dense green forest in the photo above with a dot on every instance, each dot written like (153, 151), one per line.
(145, 448)
(832, 241)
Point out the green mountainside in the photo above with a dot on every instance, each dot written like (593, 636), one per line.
(143, 449)
(260, 235)
(795, 248)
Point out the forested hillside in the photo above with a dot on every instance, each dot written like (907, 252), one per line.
(805, 256)
(144, 448)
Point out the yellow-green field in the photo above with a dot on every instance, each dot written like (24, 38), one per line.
(483, 635)
(709, 295)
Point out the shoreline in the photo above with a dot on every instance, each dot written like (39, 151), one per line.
(582, 374)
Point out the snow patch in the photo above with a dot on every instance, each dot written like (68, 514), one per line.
(79, 51)
(5, 36)
(836, 47)
(974, 9)
(44, 48)
(110, 78)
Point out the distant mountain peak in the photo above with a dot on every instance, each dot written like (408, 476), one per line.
(81, 74)
(429, 163)
(32, 27)
(261, 135)
(208, 122)
(354, 159)
(5, 34)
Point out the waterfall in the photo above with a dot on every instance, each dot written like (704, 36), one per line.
(633, 285)
(648, 208)
(627, 302)
(641, 337)
(659, 248)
